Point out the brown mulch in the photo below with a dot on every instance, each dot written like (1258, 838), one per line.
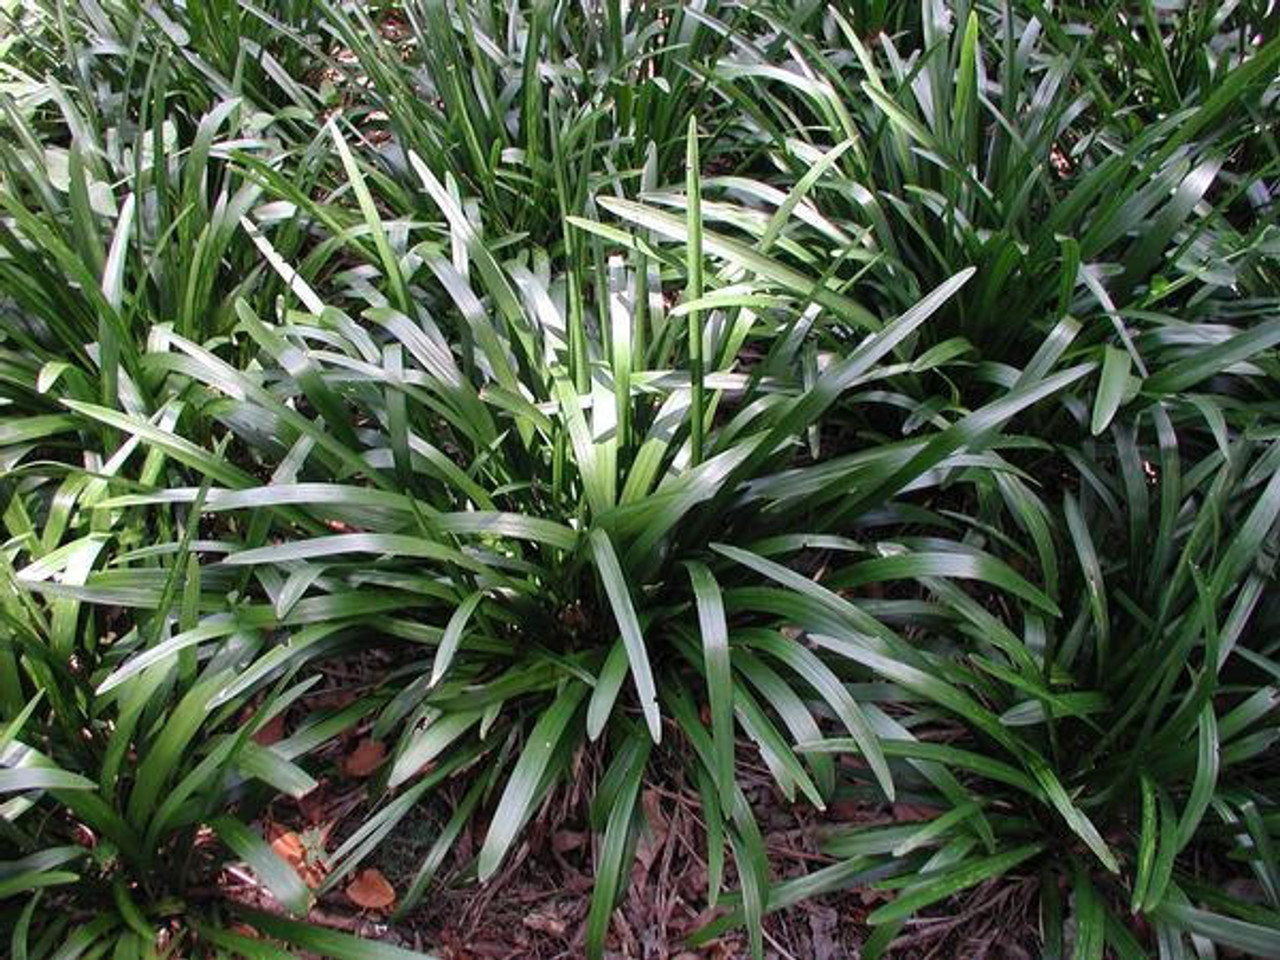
(536, 907)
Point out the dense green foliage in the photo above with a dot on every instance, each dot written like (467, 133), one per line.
(685, 383)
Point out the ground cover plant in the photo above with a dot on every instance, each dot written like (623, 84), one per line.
(517, 407)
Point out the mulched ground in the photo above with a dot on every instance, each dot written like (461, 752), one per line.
(536, 907)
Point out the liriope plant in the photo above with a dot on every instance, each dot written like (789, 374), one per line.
(693, 384)
(489, 469)
(992, 138)
(1109, 747)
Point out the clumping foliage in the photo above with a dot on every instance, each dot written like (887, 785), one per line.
(884, 393)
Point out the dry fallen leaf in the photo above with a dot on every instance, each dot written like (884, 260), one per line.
(651, 841)
(288, 847)
(365, 758)
(304, 854)
(913, 813)
(271, 732)
(371, 890)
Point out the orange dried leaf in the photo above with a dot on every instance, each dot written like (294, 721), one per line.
(313, 875)
(272, 731)
(371, 890)
(365, 758)
(288, 847)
